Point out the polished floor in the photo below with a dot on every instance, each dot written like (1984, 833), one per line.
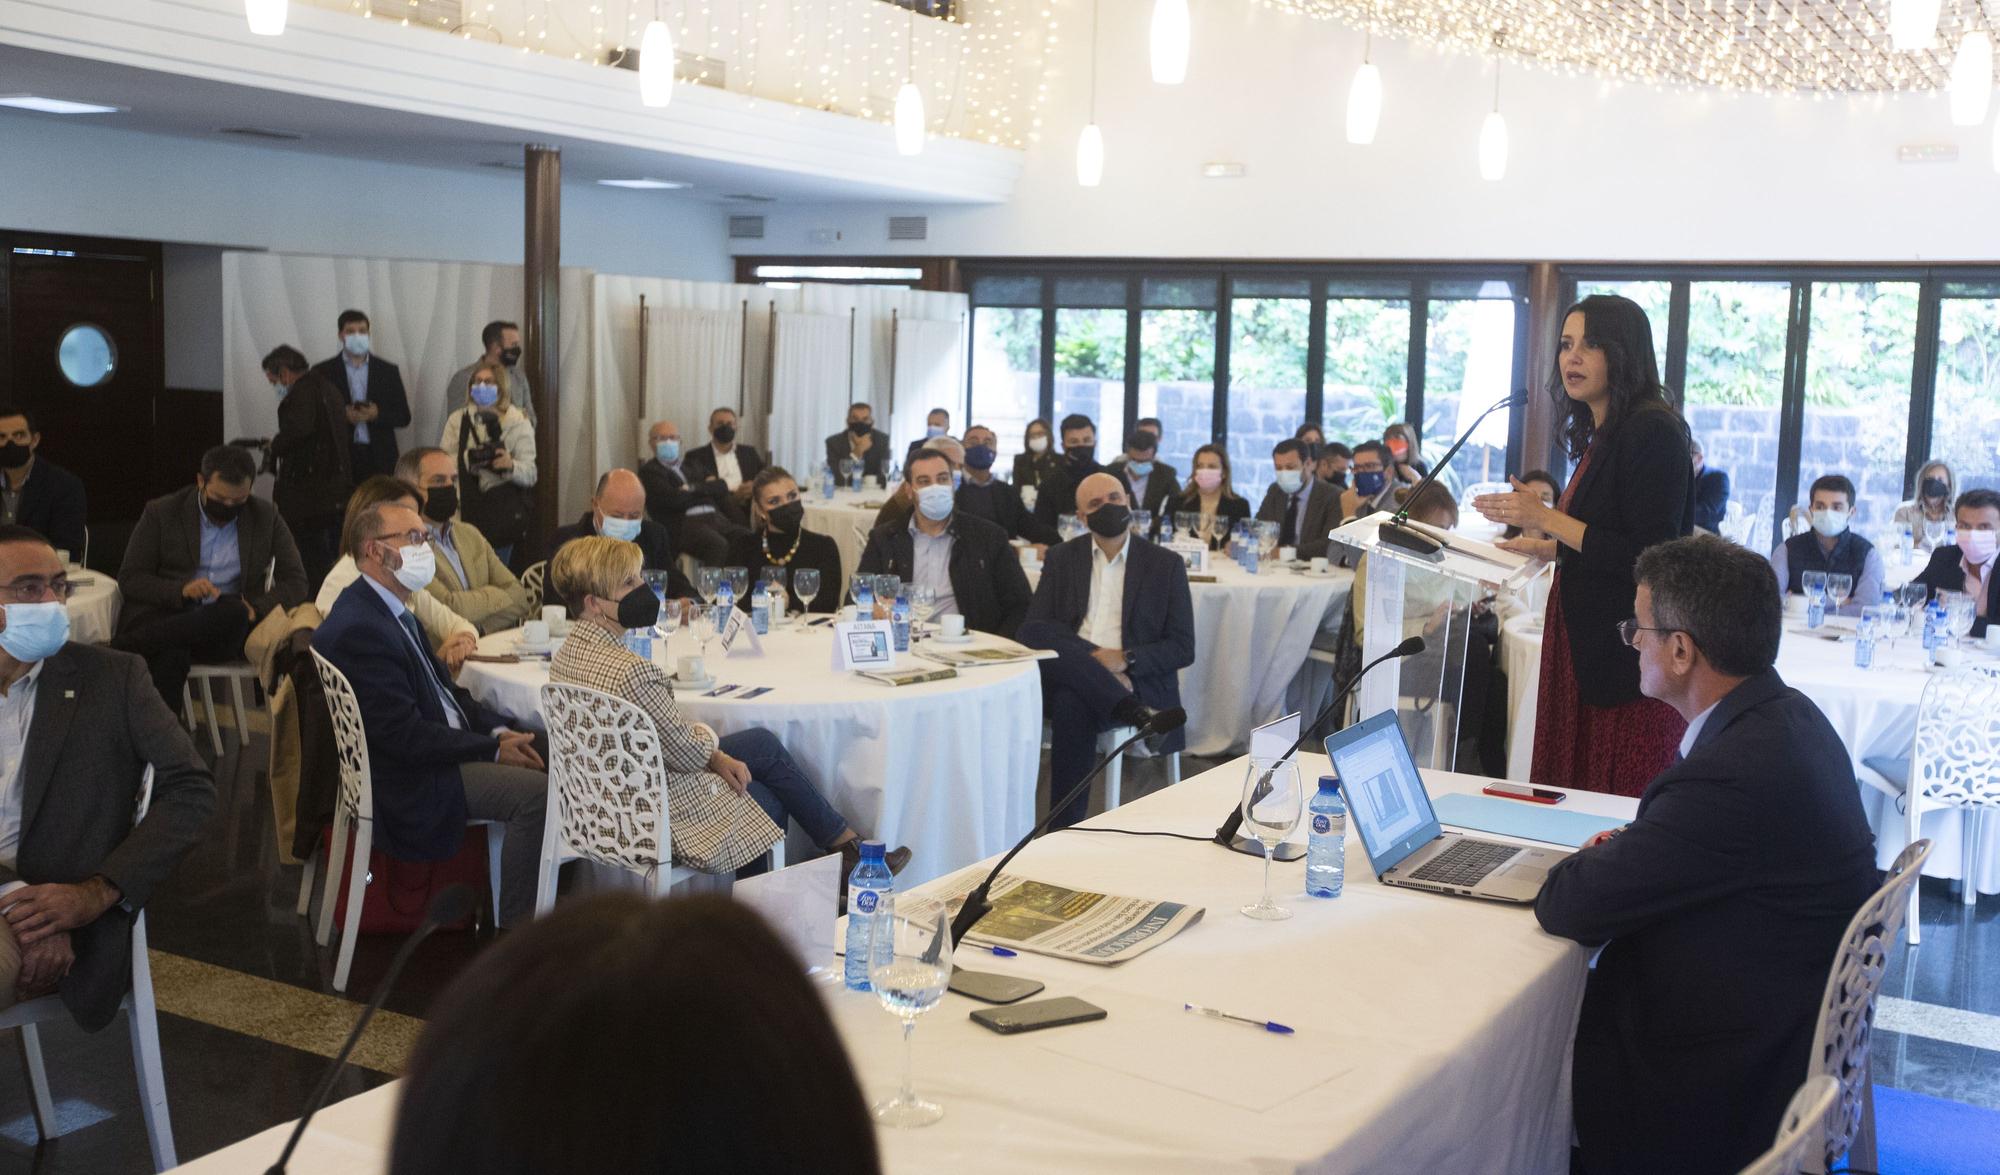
(248, 1016)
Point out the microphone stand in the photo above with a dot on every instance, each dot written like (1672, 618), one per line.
(1397, 532)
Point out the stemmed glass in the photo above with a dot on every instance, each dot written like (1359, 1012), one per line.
(887, 588)
(773, 579)
(1838, 589)
(706, 581)
(1272, 804)
(805, 585)
(1813, 583)
(656, 580)
(1267, 540)
(909, 984)
(1067, 526)
(1911, 597)
(861, 589)
(923, 602)
(1960, 614)
(1142, 523)
(707, 622)
(850, 473)
(739, 581)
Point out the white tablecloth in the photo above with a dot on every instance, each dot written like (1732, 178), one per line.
(93, 609)
(947, 768)
(1433, 1032)
(839, 516)
(1874, 711)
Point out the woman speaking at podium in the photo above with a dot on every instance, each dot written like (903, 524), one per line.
(1633, 487)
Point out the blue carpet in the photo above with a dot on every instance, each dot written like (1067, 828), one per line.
(1921, 1135)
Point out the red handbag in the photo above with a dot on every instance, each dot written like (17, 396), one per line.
(397, 892)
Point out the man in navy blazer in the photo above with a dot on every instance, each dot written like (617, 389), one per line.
(1117, 610)
(438, 757)
(1721, 906)
(377, 405)
(1967, 566)
(1711, 491)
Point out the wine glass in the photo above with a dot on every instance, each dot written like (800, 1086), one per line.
(739, 581)
(706, 622)
(656, 579)
(805, 585)
(850, 473)
(1272, 804)
(887, 588)
(1142, 522)
(1067, 526)
(861, 589)
(1839, 588)
(909, 981)
(706, 581)
(1960, 614)
(923, 602)
(1813, 583)
(1267, 540)
(670, 618)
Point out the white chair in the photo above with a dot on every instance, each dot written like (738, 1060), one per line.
(356, 808)
(1801, 1130)
(532, 580)
(1954, 763)
(144, 1023)
(1841, 1043)
(237, 674)
(1114, 775)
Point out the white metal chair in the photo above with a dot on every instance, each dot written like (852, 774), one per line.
(355, 808)
(144, 1022)
(532, 579)
(1801, 1130)
(237, 674)
(1841, 1042)
(1954, 763)
(1114, 775)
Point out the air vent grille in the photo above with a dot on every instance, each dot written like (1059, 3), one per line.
(746, 228)
(909, 228)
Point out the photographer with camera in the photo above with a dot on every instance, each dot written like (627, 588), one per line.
(495, 448)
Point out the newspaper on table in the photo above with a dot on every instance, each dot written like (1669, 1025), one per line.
(1064, 923)
(991, 651)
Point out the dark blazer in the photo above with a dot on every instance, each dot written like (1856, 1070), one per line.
(1946, 573)
(1723, 904)
(1000, 504)
(872, 462)
(1711, 498)
(1158, 620)
(385, 390)
(815, 551)
(1321, 515)
(413, 752)
(655, 546)
(1637, 491)
(54, 506)
(97, 722)
(1030, 469)
(312, 449)
(669, 497)
(1163, 483)
(1056, 495)
(698, 465)
(165, 553)
(1231, 509)
(986, 576)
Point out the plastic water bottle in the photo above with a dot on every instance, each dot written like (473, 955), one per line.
(854, 479)
(725, 594)
(1250, 558)
(760, 611)
(871, 904)
(899, 618)
(864, 591)
(1815, 609)
(1909, 543)
(1934, 621)
(826, 481)
(1951, 534)
(640, 642)
(1864, 644)
(1326, 842)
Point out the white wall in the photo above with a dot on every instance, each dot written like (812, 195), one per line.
(1598, 171)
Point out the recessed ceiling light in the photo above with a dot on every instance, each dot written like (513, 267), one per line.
(55, 105)
(643, 184)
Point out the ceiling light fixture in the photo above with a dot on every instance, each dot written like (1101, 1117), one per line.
(1090, 144)
(1493, 137)
(1913, 24)
(1972, 79)
(1364, 96)
(266, 17)
(656, 62)
(645, 185)
(1172, 30)
(43, 105)
(909, 99)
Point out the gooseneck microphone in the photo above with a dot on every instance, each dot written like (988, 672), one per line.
(976, 904)
(1397, 531)
(1225, 835)
(451, 904)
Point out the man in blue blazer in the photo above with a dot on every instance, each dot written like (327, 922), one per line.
(377, 405)
(1711, 491)
(1117, 610)
(1721, 906)
(438, 758)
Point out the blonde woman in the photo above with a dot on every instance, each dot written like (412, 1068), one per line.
(730, 796)
(1928, 512)
(494, 446)
(1209, 494)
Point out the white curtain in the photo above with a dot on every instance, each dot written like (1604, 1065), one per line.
(809, 385)
(694, 365)
(929, 370)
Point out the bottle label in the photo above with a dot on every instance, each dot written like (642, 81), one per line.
(1321, 824)
(866, 900)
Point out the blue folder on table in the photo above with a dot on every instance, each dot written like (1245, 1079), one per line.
(1520, 818)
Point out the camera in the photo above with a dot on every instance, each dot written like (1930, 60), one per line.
(482, 456)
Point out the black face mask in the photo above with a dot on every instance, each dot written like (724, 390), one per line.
(1338, 481)
(1111, 521)
(1081, 455)
(860, 428)
(13, 455)
(724, 434)
(639, 609)
(222, 513)
(788, 518)
(1934, 487)
(440, 503)
(510, 356)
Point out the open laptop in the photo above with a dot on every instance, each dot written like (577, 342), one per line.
(1387, 802)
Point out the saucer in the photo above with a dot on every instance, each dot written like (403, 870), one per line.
(953, 640)
(701, 686)
(521, 646)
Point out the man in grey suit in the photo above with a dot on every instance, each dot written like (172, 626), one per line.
(204, 565)
(1304, 507)
(78, 725)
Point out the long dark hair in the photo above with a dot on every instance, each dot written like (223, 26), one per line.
(623, 1034)
(1619, 328)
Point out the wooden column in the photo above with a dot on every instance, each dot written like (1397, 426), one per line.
(541, 329)
(1539, 449)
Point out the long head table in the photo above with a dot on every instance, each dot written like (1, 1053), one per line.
(1433, 1032)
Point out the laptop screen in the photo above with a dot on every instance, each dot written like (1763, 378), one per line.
(1385, 796)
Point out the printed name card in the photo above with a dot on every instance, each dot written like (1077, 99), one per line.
(739, 626)
(1193, 552)
(863, 644)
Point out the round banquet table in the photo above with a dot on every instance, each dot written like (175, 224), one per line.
(93, 608)
(947, 768)
(845, 518)
(1874, 711)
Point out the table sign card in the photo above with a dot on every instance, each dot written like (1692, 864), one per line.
(802, 903)
(739, 626)
(863, 644)
(1193, 552)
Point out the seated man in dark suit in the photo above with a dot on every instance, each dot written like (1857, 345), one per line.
(377, 405)
(1711, 491)
(1305, 508)
(1057, 495)
(438, 758)
(1148, 482)
(36, 492)
(694, 515)
(860, 441)
(724, 461)
(1117, 609)
(965, 561)
(983, 495)
(78, 725)
(618, 510)
(937, 423)
(1968, 565)
(1831, 546)
(1723, 902)
(194, 575)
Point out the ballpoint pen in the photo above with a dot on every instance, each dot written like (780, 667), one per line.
(1266, 1025)
(998, 952)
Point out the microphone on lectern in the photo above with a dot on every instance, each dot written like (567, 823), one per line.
(1397, 531)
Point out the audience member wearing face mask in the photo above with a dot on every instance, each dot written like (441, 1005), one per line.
(377, 405)
(310, 450)
(859, 440)
(1057, 494)
(501, 343)
(1831, 546)
(778, 537)
(1968, 566)
(1371, 485)
(695, 513)
(36, 492)
(982, 494)
(1305, 508)
(618, 511)
(1927, 514)
(966, 561)
(494, 446)
(1209, 495)
(1036, 461)
(937, 426)
(1149, 481)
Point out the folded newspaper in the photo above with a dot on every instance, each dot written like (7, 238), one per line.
(1068, 923)
(993, 651)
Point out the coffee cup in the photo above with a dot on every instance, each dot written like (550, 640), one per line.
(954, 625)
(535, 633)
(1287, 554)
(1319, 565)
(1795, 606)
(1993, 638)
(557, 618)
(690, 669)
(1947, 657)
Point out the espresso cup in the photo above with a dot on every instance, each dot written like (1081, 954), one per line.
(535, 632)
(1287, 554)
(1993, 639)
(1319, 565)
(954, 625)
(556, 617)
(690, 669)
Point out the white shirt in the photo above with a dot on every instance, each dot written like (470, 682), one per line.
(727, 468)
(1104, 621)
(1694, 728)
(17, 713)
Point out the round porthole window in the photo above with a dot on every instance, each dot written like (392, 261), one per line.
(87, 355)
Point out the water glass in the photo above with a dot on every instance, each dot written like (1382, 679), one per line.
(706, 581)
(923, 601)
(1839, 588)
(911, 983)
(1813, 583)
(1142, 523)
(805, 585)
(739, 581)
(887, 588)
(1067, 526)
(861, 589)
(1273, 801)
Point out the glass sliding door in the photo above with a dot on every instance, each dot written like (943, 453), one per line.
(1468, 367)
(1090, 357)
(1652, 296)
(1860, 351)
(1176, 367)
(1270, 328)
(1735, 387)
(1367, 359)
(1965, 416)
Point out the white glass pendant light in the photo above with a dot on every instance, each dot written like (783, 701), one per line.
(1364, 98)
(909, 99)
(1971, 84)
(1996, 145)
(1913, 24)
(1493, 137)
(266, 17)
(656, 62)
(1090, 144)
(1172, 31)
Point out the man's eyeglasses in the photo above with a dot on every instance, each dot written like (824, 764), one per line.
(36, 591)
(1629, 630)
(411, 538)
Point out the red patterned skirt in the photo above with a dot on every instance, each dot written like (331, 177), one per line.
(1617, 749)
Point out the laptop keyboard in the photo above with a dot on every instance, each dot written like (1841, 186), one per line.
(1466, 863)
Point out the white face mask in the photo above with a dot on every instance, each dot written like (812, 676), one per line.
(620, 528)
(1829, 522)
(418, 569)
(1038, 444)
(1289, 480)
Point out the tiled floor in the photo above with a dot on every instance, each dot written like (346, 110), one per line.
(248, 1014)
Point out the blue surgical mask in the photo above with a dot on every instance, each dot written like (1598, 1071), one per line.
(356, 345)
(1368, 484)
(935, 502)
(1289, 480)
(668, 451)
(620, 528)
(35, 631)
(1140, 468)
(980, 457)
(485, 395)
(278, 389)
(934, 430)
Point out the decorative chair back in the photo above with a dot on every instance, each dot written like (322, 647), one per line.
(1847, 1009)
(1800, 1132)
(607, 779)
(532, 579)
(350, 739)
(1956, 759)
